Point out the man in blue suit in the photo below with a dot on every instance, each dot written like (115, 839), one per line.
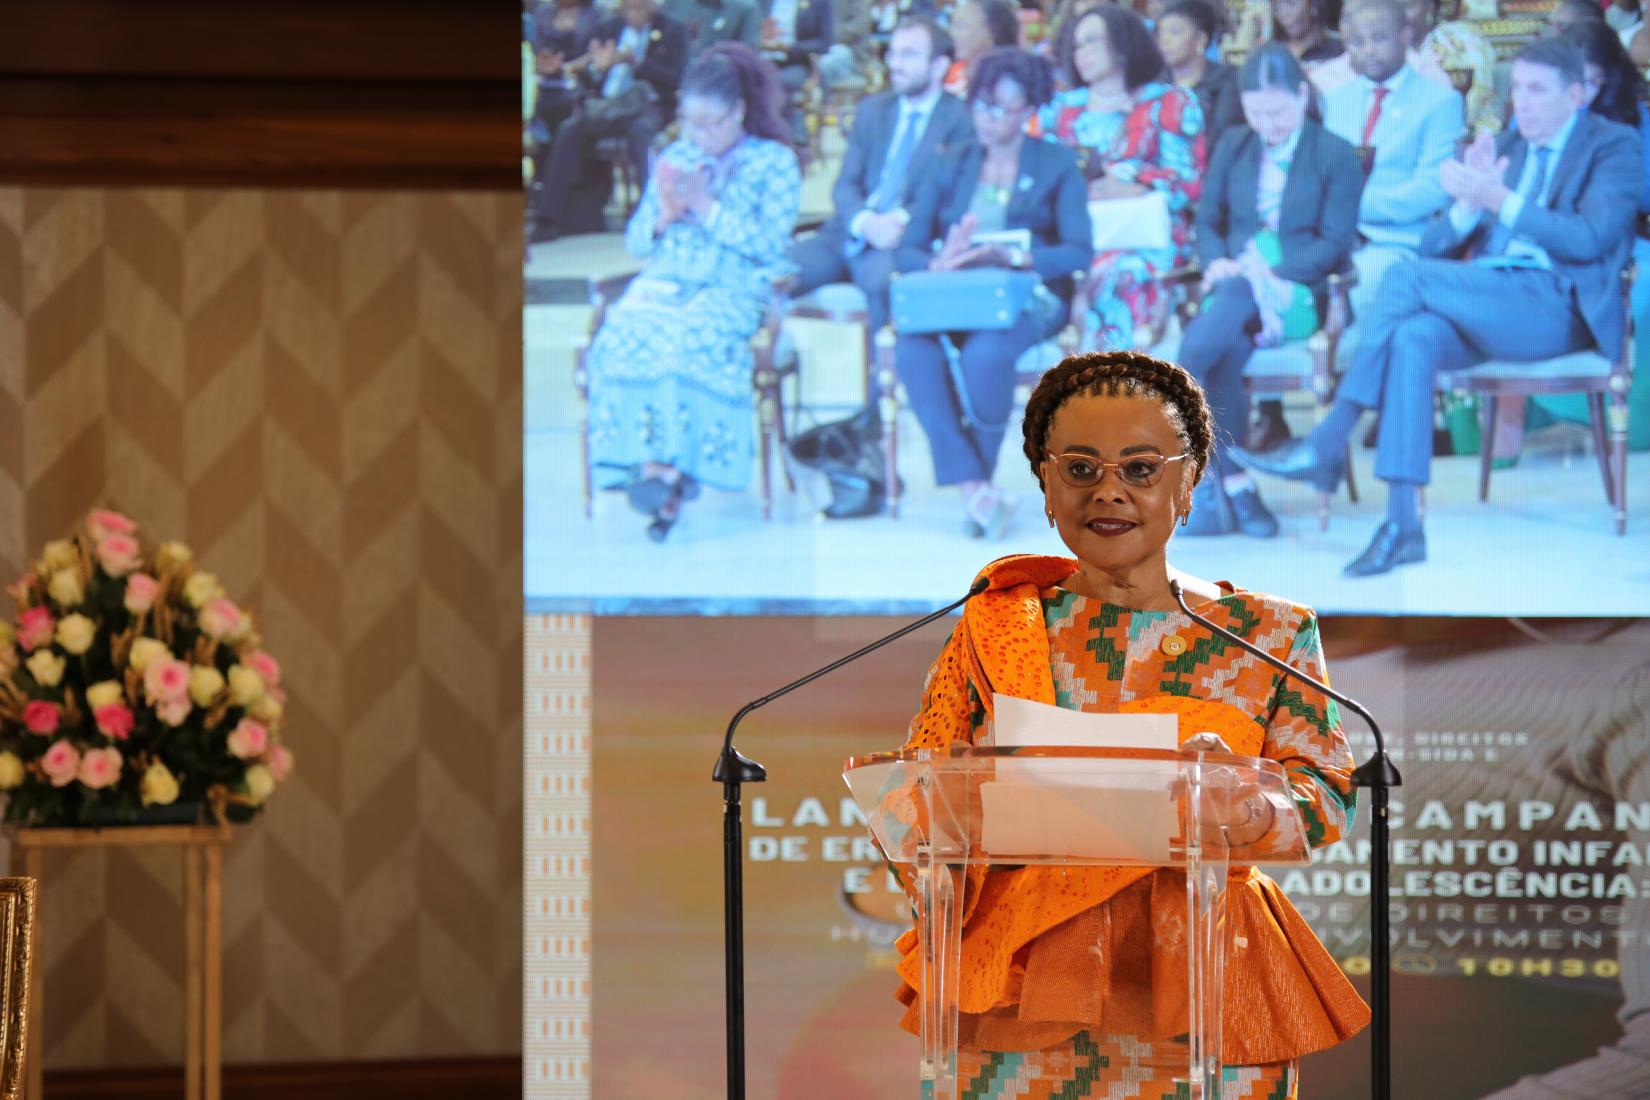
(1546, 212)
(1404, 126)
(794, 34)
(898, 135)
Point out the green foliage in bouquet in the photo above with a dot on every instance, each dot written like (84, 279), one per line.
(129, 681)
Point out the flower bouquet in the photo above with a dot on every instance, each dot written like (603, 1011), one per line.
(130, 681)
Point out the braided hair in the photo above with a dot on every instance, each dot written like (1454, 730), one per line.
(1122, 374)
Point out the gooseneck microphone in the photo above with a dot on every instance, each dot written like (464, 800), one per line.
(1379, 775)
(734, 768)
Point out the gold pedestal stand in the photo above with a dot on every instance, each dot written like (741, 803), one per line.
(203, 936)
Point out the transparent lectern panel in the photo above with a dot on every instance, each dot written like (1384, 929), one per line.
(936, 814)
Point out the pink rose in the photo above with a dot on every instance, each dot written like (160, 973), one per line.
(141, 590)
(118, 554)
(172, 712)
(60, 763)
(248, 739)
(99, 768)
(280, 762)
(35, 628)
(41, 717)
(264, 665)
(102, 523)
(114, 721)
(220, 618)
(166, 679)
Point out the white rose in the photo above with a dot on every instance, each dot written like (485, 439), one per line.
(57, 555)
(259, 783)
(201, 589)
(266, 709)
(105, 693)
(145, 650)
(160, 786)
(11, 771)
(64, 587)
(46, 667)
(245, 686)
(204, 685)
(170, 555)
(75, 633)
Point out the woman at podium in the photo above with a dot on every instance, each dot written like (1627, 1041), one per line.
(1056, 985)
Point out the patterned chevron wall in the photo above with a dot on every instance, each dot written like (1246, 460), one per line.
(321, 392)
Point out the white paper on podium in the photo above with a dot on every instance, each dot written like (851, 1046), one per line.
(1027, 722)
(1099, 809)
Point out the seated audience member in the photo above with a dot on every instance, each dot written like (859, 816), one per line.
(1278, 216)
(559, 32)
(1405, 125)
(898, 138)
(1548, 210)
(846, 66)
(1303, 26)
(1003, 180)
(670, 369)
(977, 28)
(794, 33)
(1613, 87)
(711, 21)
(1454, 53)
(1616, 90)
(1567, 13)
(1185, 31)
(1035, 30)
(1134, 134)
(633, 67)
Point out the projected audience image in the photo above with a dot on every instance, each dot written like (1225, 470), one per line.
(793, 269)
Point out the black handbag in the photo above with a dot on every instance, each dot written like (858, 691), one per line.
(848, 456)
(612, 115)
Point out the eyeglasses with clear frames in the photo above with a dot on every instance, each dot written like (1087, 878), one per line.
(995, 111)
(702, 126)
(1084, 471)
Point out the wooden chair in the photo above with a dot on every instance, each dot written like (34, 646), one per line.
(767, 380)
(844, 303)
(18, 964)
(1298, 366)
(1604, 379)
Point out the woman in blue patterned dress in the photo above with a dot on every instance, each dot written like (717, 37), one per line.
(670, 369)
(1136, 134)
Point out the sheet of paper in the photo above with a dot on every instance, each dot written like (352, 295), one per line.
(1025, 722)
(1113, 824)
(1008, 238)
(1093, 809)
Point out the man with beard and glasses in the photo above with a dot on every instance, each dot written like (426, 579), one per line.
(898, 135)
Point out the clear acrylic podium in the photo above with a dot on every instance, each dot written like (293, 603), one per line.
(939, 811)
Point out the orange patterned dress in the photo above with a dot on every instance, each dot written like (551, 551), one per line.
(1055, 991)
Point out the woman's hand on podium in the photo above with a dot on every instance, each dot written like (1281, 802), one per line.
(1236, 811)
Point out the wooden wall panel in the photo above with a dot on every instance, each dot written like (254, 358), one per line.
(319, 390)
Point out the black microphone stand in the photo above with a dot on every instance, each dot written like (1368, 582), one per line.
(1379, 775)
(733, 769)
